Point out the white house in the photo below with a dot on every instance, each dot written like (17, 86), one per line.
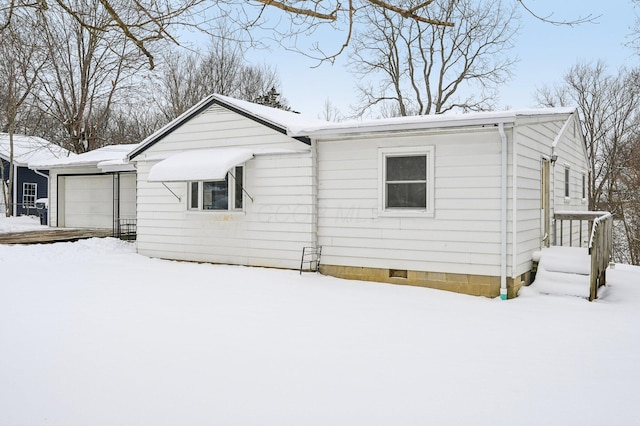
(456, 202)
(96, 189)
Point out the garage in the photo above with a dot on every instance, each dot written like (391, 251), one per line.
(96, 189)
(86, 201)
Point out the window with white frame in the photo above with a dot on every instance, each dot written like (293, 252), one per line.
(567, 175)
(29, 194)
(406, 182)
(218, 195)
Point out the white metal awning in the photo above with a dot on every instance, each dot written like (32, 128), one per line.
(201, 164)
(209, 164)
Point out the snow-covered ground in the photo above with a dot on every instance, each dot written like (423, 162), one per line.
(20, 224)
(93, 334)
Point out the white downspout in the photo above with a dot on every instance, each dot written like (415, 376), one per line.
(503, 215)
(514, 208)
(14, 199)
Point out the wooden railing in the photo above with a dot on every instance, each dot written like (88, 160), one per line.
(599, 244)
(567, 219)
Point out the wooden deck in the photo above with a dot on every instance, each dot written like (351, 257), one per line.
(52, 235)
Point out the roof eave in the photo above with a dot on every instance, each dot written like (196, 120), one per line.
(441, 122)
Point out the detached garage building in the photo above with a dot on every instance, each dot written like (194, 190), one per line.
(28, 185)
(96, 189)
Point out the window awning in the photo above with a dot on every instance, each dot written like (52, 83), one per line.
(201, 164)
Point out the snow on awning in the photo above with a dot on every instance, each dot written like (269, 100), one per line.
(201, 164)
(209, 164)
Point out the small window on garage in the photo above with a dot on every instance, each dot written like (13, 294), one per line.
(29, 194)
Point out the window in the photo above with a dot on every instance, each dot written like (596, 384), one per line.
(218, 195)
(194, 199)
(566, 181)
(584, 186)
(406, 180)
(29, 194)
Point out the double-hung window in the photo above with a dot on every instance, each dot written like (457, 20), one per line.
(406, 182)
(219, 194)
(29, 194)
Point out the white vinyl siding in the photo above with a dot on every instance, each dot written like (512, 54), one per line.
(334, 196)
(127, 196)
(219, 127)
(269, 231)
(534, 140)
(462, 236)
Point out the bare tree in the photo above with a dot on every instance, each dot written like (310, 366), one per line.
(21, 60)
(609, 106)
(89, 68)
(131, 124)
(222, 69)
(145, 22)
(330, 112)
(141, 22)
(629, 208)
(432, 69)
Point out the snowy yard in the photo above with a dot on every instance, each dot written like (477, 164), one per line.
(93, 334)
(20, 224)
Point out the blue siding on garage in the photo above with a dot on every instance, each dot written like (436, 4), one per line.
(25, 175)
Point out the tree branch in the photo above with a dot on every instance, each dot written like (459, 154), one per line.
(579, 20)
(298, 11)
(409, 13)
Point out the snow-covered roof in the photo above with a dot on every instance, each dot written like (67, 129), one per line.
(293, 122)
(287, 122)
(300, 125)
(419, 122)
(110, 155)
(28, 149)
(302, 128)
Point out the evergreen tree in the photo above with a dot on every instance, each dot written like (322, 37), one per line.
(272, 99)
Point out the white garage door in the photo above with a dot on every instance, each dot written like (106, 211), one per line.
(88, 202)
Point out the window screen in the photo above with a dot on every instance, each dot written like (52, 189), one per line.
(406, 182)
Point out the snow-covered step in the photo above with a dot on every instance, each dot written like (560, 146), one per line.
(563, 270)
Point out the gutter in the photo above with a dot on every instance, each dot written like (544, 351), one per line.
(39, 173)
(503, 214)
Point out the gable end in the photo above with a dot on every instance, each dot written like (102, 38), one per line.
(206, 103)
